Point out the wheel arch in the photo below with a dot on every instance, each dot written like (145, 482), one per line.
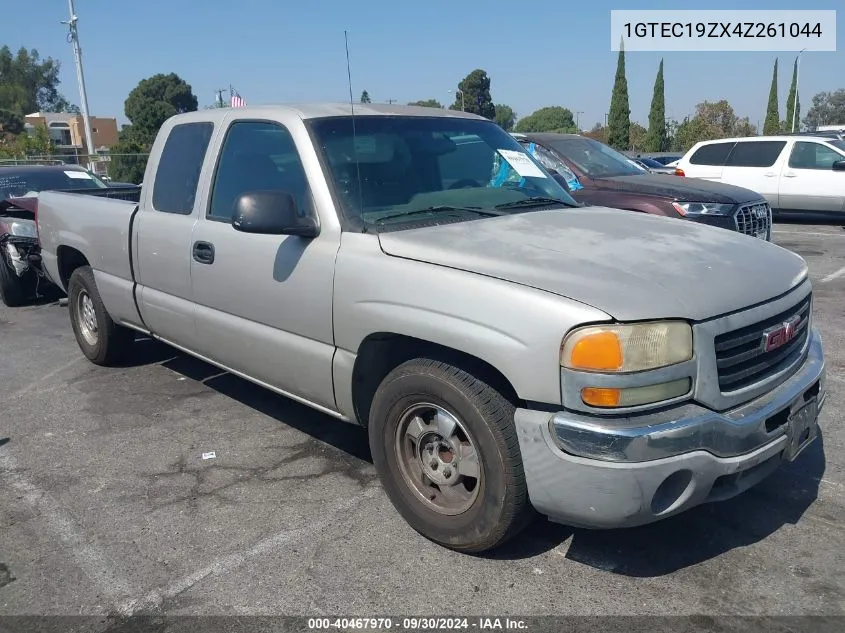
(381, 352)
(69, 259)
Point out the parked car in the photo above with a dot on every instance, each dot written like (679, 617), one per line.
(656, 168)
(599, 175)
(508, 349)
(664, 159)
(796, 174)
(20, 186)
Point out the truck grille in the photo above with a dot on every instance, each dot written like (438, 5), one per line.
(754, 219)
(741, 359)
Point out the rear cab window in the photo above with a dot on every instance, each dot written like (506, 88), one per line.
(179, 167)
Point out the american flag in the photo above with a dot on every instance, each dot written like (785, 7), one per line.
(237, 101)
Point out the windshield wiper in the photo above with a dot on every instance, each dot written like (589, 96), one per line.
(437, 209)
(534, 201)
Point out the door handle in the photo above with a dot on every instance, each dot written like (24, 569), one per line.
(770, 174)
(204, 252)
(790, 174)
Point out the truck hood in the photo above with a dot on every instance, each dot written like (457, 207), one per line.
(631, 266)
(679, 188)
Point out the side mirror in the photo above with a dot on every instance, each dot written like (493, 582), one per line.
(271, 213)
(838, 165)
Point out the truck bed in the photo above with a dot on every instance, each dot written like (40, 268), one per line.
(96, 223)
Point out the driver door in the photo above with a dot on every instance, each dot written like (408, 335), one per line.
(808, 182)
(264, 302)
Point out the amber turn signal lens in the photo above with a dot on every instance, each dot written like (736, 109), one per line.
(600, 351)
(601, 396)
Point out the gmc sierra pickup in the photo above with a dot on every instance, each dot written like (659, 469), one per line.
(417, 272)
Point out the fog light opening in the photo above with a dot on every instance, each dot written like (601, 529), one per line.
(674, 491)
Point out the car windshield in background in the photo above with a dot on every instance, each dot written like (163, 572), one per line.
(651, 163)
(17, 182)
(595, 159)
(398, 169)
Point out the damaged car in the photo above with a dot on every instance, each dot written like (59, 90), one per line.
(21, 277)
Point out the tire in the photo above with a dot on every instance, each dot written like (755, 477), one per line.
(101, 340)
(469, 514)
(13, 289)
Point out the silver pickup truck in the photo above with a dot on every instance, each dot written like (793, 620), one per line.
(415, 271)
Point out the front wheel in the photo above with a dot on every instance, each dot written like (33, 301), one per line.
(13, 289)
(103, 341)
(445, 447)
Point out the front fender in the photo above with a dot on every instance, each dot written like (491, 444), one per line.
(515, 328)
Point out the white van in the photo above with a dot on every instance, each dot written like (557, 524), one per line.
(794, 173)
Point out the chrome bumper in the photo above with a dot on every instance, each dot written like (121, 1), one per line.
(590, 472)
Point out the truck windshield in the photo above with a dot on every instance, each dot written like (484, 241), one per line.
(20, 182)
(396, 170)
(595, 159)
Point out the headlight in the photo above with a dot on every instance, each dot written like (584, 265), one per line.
(24, 229)
(697, 209)
(627, 347)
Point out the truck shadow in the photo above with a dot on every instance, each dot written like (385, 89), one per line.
(653, 550)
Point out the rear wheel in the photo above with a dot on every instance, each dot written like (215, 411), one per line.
(103, 341)
(445, 447)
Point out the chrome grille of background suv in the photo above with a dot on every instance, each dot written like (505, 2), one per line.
(740, 358)
(754, 219)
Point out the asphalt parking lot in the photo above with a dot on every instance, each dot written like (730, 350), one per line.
(107, 506)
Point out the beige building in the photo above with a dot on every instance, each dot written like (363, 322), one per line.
(68, 131)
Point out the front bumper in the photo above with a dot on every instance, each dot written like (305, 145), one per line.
(589, 472)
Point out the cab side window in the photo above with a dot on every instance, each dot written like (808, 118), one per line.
(257, 156)
(808, 155)
(179, 168)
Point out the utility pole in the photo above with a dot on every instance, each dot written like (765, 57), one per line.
(219, 97)
(578, 120)
(73, 38)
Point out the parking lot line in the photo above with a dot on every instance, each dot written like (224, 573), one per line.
(834, 275)
(89, 557)
(817, 233)
(230, 562)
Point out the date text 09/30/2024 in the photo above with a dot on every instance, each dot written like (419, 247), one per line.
(418, 624)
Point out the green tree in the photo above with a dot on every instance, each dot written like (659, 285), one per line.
(637, 137)
(427, 103)
(29, 84)
(128, 159)
(505, 116)
(365, 97)
(655, 141)
(548, 119)
(153, 101)
(793, 104)
(771, 125)
(712, 120)
(828, 109)
(598, 133)
(11, 122)
(474, 92)
(619, 118)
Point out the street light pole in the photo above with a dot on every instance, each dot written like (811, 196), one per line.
(73, 38)
(795, 98)
(578, 120)
(461, 92)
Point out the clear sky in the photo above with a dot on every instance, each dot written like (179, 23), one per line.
(539, 53)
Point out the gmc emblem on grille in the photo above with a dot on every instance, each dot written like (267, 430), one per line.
(781, 334)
